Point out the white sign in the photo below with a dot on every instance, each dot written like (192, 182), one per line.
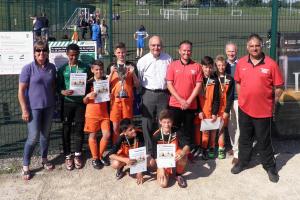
(101, 88)
(78, 83)
(138, 154)
(58, 56)
(166, 155)
(207, 124)
(16, 50)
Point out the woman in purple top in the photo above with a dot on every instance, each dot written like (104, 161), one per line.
(36, 98)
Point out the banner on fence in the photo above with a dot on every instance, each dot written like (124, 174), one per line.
(58, 50)
(16, 50)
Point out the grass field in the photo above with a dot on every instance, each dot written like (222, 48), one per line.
(209, 31)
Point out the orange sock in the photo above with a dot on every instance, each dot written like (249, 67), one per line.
(205, 138)
(197, 135)
(102, 146)
(212, 139)
(93, 148)
(221, 140)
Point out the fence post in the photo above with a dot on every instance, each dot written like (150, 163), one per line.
(274, 29)
(8, 16)
(110, 31)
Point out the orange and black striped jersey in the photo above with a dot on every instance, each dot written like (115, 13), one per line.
(171, 138)
(209, 97)
(226, 93)
(124, 143)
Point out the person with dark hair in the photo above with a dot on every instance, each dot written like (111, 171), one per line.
(121, 106)
(130, 138)
(83, 25)
(259, 85)
(96, 117)
(209, 103)
(45, 27)
(167, 134)
(96, 36)
(152, 69)
(140, 35)
(36, 96)
(184, 79)
(73, 108)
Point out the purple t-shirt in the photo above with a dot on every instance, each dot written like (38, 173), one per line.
(40, 92)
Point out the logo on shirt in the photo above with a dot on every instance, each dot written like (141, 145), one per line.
(177, 70)
(193, 71)
(264, 70)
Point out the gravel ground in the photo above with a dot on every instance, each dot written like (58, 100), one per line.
(206, 180)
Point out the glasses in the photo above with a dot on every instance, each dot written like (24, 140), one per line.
(39, 50)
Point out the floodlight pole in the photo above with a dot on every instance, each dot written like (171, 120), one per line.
(274, 29)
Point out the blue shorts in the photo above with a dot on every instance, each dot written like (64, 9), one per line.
(140, 43)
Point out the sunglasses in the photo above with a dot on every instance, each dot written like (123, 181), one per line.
(39, 50)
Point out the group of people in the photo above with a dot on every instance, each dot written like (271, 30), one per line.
(177, 96)
(98, 32)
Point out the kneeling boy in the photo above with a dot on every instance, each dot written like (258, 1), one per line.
(167, 135)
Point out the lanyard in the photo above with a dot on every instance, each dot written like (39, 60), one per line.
(162, 137)
(222, 85)
(134, 143)
(71, 68)
(204, 89)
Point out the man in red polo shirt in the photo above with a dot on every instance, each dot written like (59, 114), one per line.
(184, 78)
(258, 79)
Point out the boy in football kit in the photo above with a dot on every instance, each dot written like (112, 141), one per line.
(130, 138)
(226, 89)
(167, 135)
(96, 118)
(209, 100)
(121, 107)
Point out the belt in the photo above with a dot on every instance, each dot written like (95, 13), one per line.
(155, 90)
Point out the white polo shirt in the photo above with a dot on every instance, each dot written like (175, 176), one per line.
(152, 71)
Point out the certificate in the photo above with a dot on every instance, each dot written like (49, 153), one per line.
(165, 155)
(78, 83)
(101, 88)
(207, 124)
(139, 154)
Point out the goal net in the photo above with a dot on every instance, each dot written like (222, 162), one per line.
(175, 14)
(236, 13)
(143, 12)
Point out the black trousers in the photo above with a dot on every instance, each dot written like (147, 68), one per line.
(152, 104)
(73, 123)
(184, 120)
(260, 129)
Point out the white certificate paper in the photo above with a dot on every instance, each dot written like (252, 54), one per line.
(165, 155)
(101, 88)
(207, 124)
(139, 154)
(78, 83)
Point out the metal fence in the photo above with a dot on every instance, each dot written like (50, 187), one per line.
(209, 27)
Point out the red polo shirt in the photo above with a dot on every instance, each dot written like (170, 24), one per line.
(256, 85)
(184, 78)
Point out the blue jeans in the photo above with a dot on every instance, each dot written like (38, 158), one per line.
(38, 128)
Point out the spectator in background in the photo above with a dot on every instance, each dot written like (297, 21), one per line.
(45, 27)
(140, 35)
(96, 36)
(37, 27)
(104, 37)
(83, 25)
(36, 97)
